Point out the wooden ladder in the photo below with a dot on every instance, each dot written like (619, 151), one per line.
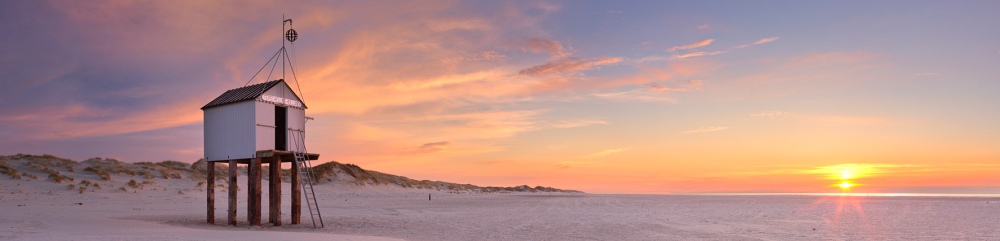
(305, 177)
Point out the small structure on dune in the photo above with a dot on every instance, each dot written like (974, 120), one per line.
(261, 124)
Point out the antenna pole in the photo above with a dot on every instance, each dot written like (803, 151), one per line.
(283, 44)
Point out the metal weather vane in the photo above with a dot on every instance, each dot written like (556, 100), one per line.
(291, 35)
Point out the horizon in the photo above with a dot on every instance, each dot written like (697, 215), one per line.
(601, 97)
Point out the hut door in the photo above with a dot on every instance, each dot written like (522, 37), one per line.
(280, 128)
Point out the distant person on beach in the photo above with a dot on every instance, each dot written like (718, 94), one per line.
(428, 197)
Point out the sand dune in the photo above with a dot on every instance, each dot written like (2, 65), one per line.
(174, 209)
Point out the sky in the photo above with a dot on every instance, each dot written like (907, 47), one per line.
(599, 96)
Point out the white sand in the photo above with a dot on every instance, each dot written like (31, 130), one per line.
(385, 213)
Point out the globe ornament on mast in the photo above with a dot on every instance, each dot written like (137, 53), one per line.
(291, 35)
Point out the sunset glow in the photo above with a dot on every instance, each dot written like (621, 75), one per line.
(597, 96)
(845, 174)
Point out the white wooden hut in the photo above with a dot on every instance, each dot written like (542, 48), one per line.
(254, 125)
(253, 118)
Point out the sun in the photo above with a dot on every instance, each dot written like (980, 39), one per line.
(845, 185)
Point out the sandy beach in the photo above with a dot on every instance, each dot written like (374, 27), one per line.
(174, 210)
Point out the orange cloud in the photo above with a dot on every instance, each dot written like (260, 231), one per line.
(845, 120)
(429, 148)
(706, 129)
(578, 123)
(771, 114)
(588, 160)
(603, 153)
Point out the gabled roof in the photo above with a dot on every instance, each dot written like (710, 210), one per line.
(245, 93)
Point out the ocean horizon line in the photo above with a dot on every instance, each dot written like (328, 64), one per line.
(846, 194)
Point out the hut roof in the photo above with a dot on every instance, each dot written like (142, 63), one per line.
(244, 93)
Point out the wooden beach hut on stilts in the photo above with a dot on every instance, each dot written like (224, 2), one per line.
(256, 125)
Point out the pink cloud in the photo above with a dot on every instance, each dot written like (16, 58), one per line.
(691, 85)
(429, 148)
(76, 121)
(539, 45)
(636, 95)
(766, 40)
(459, 24)
(568, 65)
(694, 45)
(829, 120)
(697, 54)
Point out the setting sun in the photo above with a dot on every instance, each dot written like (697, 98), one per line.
(845, 185)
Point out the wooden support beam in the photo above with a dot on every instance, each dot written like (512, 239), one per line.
(296, 194)
(275, 191)
(270, 189)
(232, 192)
(254, 192)
(210, 190)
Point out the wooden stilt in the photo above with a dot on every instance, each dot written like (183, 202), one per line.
(296, 195)
(275, 191)
(232, 192)
(270, 189)
(210, 190)
(254, 192)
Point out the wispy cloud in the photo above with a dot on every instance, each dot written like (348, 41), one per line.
(856, 170)
(603, 153)
(927, 74)
(830, 120)
(693, 45)
(429, 148)
(839, 171)
(589, 160)
(539, 45)
(706, 42)
(691, 85)
(844, 120)
(772, 114)
(696, 54)
(568, 65)
(636, 95)
(578, 123)
(766, 40)
(759, 42)
(706, 129)
(704, 26)
(441, 25)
